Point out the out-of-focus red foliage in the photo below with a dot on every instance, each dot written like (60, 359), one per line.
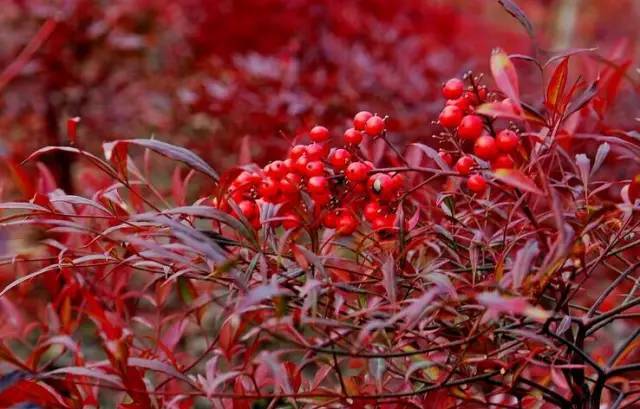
(209, 74)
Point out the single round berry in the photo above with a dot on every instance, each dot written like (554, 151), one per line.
(291, 221)
(453, 88)
(503, 162)
(476, 183)
(290, 183)
(247, 179)
(318, 184)
(507, 140)
(300, 165)
(382, 185)
(357, 172)
(360, 120)
(346, 223)
(315, 168)
(276, 169)
(297, 151)
(352, 136)
(398, 181)
(269, 189)
(340, 159)
(450, 116)
(319, 133)
(470, 127)
(384, 221)
(249, 209)
(446, 157)
(464, 165)
(372, 210)
(485, 147)
(374, 126)
(329, 220)
(316, 151)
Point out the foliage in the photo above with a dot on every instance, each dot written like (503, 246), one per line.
(493, 265)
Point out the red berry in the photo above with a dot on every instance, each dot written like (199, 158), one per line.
(374, 126)
(461, 103)
(319, 134)
(297, 151)
(485, 147)
(398, 181)
(288, 165)
(453, 88)
(316, 151)
(247, 179)
(360, 120)
(357, 172)
(372, 210)
(382, 185)
(384, 222)
(300, 165)
(464, 165)
(471, 97)
(291, 221)
(476, 183)
(269, 189)
(276, 169)
(507, 140)
(330, 219)
(249, 209)
(450, 116)
(340, 158)
(470, 127)
(352, 136)
(346, 223)
(290, 183)
(318, 184)
(503, 162)
(315, 168)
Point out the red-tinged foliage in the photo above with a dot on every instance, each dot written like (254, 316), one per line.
(360, 264)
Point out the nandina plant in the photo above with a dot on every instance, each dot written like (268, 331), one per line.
(491, 266)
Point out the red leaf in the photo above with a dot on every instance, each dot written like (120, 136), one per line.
(557, 84)
(517, 179)
(505, 76)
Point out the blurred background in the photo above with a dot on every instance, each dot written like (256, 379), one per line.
(228, 76)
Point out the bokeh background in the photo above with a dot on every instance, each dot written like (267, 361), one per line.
(225, 77)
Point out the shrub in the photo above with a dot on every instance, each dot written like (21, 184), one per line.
(498, 270)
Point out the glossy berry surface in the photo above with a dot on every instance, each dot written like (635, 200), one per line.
(319, 134)
(507, 141)
(477, 183)
(485, 147)
(352, 136)
(464, 165)
(453, 88)
(450, 116)
(374, 126)
(357, 172)
(470, 127)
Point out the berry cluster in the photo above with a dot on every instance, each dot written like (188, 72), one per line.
(465, 131)
(320, 185)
